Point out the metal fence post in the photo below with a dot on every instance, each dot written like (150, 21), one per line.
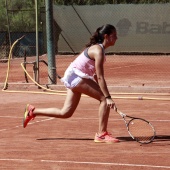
(50, 42)
(37, 43)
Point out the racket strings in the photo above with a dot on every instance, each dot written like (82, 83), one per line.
(141, 130)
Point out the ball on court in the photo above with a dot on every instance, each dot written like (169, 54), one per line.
(140, 98)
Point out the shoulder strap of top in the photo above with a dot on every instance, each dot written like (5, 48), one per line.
(101, 45)
(86, 51)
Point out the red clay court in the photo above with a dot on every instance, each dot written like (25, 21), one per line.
(56, 144)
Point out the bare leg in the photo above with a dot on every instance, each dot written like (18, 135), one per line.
(88, 87)
(92, 89)
(68, 109)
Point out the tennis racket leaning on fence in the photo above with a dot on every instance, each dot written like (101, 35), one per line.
(139, 129)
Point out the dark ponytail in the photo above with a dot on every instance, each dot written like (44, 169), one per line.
(98, 36)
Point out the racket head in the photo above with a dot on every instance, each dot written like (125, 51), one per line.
(141, 130)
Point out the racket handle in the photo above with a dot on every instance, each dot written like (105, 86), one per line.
(118, 111)
(115, 108)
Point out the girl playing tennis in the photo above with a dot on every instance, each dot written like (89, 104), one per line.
(85, 75)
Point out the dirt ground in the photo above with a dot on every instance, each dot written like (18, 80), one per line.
(67, 144)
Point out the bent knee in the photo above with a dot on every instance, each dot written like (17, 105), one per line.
(65, 114)
(103, 99)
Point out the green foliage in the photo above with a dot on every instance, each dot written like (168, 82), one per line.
(21, 13)
(3, 21)
(22, 21)
(101, 2)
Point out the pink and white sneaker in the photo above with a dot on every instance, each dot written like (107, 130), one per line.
(28, 114)
(105, 138)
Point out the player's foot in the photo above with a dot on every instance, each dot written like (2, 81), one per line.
(28, 114)
(105, 138)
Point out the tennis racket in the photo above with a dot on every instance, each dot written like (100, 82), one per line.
(139, 129)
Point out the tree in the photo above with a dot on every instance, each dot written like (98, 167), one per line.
(21, 14)
(3, 20)
(100, 2)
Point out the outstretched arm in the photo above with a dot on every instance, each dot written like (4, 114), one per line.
(96, 53)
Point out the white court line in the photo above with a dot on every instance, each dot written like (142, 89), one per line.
(117, 119)
(17, 160)
(15, 117)
(126, 66)
(44, 120)
(38, 121)
(92, 163)
(77, 118)
(105, 163)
